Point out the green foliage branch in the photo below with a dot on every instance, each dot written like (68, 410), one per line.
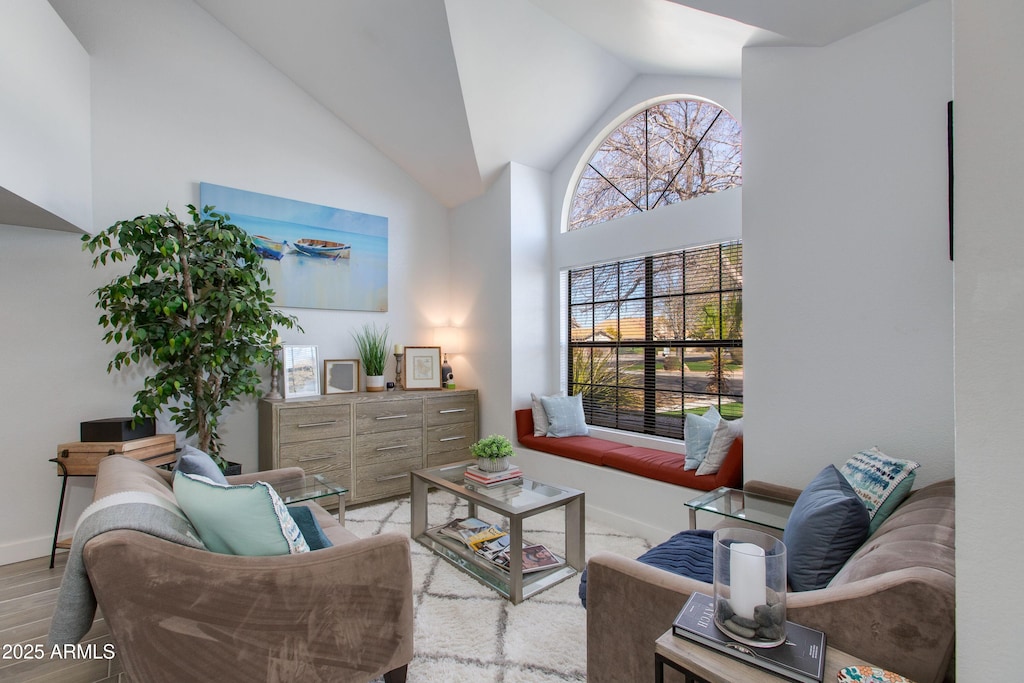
(195, 304)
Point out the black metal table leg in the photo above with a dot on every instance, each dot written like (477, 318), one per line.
(60, 507)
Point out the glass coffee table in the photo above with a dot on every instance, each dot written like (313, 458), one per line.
(313, 487)
(772, 513)
(514, 501)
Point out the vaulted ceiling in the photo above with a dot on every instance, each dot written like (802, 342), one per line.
(452, 90)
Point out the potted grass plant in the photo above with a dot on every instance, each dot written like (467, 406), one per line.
(373, 353)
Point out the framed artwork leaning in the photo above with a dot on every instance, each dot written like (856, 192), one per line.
(341, 376)
(422, 367)
(301, 371)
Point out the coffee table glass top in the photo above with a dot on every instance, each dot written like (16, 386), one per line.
(739, 504)
(516, 496)
(309, 488)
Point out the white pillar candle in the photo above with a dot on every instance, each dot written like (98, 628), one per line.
(746, 578)
(399, 349)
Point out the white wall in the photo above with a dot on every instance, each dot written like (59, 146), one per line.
(44, 118)
(848, 286)
(989, 160)
(177, 99)
(481, 300)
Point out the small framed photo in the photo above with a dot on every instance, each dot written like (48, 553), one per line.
(341, 376)
(422, 368)
(301, 371)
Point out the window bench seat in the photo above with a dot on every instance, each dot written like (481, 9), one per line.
(646, 462)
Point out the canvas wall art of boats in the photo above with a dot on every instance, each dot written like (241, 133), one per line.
(323, 248)
(268, 248)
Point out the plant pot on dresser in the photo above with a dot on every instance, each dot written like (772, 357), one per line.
(366, 442)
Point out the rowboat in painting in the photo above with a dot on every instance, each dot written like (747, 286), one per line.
(323, 248)
(268, 248)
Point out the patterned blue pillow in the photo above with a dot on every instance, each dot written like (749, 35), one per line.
(310, 528)
(881, 482)
(565, 415)
(697, 432)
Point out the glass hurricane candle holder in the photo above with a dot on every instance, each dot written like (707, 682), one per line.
(750, 586)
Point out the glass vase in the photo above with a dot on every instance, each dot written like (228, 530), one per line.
(750, 586)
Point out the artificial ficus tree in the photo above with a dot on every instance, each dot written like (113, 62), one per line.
(195, 304)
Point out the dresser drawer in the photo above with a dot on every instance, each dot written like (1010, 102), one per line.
(387, 416)
(314, 422)
(385, 479)
(446, 457)
(388, 446)
(315, 456)
(450, 410)
(450, 437)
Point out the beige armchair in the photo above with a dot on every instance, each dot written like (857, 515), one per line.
(343, 613)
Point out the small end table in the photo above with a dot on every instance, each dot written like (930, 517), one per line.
(772, 513)
(313, 488)
(705, 665)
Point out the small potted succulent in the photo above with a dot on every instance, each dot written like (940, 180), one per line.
(492, 453)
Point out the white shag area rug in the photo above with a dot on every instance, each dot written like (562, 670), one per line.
(466, 632)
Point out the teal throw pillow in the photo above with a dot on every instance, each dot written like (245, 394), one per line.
(194, 461)
(565, 415)
(828, 523)
(881, 482)
(310, 528)
(249, 519)
(697, 431)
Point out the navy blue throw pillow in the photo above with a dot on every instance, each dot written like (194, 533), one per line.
(688, 553)
(310, 528)
(828, 523)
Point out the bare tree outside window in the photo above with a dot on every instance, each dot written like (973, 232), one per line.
(668, 153)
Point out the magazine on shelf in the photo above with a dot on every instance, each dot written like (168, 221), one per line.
(489, 534)
(800, 658)
(537, 558)
(464, 528)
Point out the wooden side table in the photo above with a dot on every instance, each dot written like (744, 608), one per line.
(82, 459)
(700, 664)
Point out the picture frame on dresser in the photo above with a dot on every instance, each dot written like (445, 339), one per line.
(341, 376)
(301, 371)
(422, 367)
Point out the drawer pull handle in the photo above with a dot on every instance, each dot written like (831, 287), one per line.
(391, 448)
(452, 438)
(452, 410)
(391, 417)
(311, 458)
(393, 476)
(317, 424)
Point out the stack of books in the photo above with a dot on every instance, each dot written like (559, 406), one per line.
(800, 658)
(475, 475)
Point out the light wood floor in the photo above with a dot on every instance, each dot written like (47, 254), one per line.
(28, 595)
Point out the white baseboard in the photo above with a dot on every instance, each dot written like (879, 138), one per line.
(26, 549)
(636, 505)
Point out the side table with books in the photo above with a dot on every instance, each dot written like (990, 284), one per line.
(702, 653)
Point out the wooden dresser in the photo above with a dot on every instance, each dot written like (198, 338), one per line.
(369, 442)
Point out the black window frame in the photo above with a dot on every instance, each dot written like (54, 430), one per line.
(629, 414)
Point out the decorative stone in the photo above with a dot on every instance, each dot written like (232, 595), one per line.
(724, 610)
(741, 631)
(763, 615)
(744, 622)
(773, 632)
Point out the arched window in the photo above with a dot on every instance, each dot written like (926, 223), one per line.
(667, 153)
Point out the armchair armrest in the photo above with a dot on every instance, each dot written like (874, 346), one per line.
(629, 605)
(176, 613)
(284, 475)
(764, 488)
